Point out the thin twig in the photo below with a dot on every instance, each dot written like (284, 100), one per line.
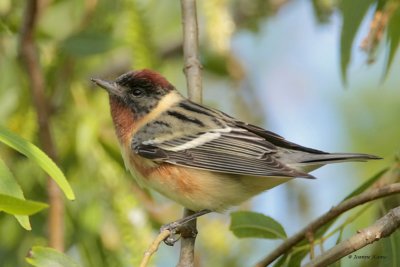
(192, 69)
(154, 247)
(330, 215)
(383, 227)
(30, 61)
(310, 238)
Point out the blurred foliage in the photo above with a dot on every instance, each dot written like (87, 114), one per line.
(48, 257)
(112, 220)
(249, 14)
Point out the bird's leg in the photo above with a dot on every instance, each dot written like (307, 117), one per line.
(174, 227)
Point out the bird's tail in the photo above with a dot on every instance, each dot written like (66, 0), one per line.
(310, 162)
(337, 157)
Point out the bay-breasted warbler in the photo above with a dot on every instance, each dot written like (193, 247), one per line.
(201, 157)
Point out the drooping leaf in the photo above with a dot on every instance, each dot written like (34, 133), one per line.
(297, 257)
(353, 13)
(9, 186)
(293, 258)
(282, 261)
(393, 36)
(252, 224)
(39, 157)
(17, 206)
(49, 257)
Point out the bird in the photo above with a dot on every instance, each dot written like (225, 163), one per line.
(198, 156)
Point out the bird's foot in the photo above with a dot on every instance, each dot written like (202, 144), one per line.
(179, 228)
(174, 229)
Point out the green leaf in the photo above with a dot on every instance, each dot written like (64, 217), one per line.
(293, 258)
(282, 261)
(393, 37)
(17, 206)
(49, 257)
(252, 224)
(9, 186)
(353, 12)
(86, 43)
(297, 257)
(39, 157)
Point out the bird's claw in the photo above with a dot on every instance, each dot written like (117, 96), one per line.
(174, 236)
(172, 239)
(181, 228)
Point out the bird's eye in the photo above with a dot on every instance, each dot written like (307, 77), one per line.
(137, 92)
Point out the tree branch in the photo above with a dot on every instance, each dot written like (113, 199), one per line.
(188, 234)
(192, 69)
(330, 215)
(30, 61)
(384, 227)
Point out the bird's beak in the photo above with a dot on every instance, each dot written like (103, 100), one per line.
(111, 87)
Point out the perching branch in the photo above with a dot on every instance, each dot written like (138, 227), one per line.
(383, 227)
(188, 233)
(330, 215)
(30, 61)
(192, 69)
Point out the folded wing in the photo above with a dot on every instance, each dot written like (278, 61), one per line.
(228, 150)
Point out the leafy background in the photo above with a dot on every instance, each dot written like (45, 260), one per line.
(294, 67)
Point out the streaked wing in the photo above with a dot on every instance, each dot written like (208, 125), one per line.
(229, 150)
(276, 139)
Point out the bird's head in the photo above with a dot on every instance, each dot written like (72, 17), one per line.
(139, 91)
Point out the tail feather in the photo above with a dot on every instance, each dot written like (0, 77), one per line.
(338, 157)
(310, 162)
